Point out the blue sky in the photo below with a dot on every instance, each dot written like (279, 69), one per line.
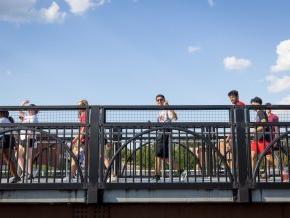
(127, 51)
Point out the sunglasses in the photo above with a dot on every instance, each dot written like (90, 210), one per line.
(159, 99)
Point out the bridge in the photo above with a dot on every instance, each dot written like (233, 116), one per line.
(209, 156)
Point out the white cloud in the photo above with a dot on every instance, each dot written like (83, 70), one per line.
(19, 11)
(52, 14)
(81, 6)
(278, 84)
(211, 3)
(192, 49)
(233, 63)
(283, 60)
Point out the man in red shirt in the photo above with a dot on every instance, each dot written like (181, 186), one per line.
(234, 98)
(225, 147)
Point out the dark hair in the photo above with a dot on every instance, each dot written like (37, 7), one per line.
(268, 104)
(160, 96)
(35, 110)
(257, 100)
(4, 114)
(234, 93)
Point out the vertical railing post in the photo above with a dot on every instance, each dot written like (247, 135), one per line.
(102, 144)
(170, 160)
(117, 138)
(242, 160)
(93, 155)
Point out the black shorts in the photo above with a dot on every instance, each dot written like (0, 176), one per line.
(7, 141)
(29, 141)
(162, 146)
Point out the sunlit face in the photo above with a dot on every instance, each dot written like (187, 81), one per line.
(255, 104)
(233, 99)
(32, 112)
(160, 101)
(82, 103)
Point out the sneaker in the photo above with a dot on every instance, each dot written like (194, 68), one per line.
(71, 179)
(35, 173)
(156, 177)
(183, 176)
(179, 172)
(112, 179)
(14, 179)
(65, 179)
(26, 176)
(221, 172)
(30, 176)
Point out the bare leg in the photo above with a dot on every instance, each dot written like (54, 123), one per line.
(226, 151)
(271, 161)
(198, 153)
(9, 162)
(20, 160)
(73, 163)
(253, 157)
(29, 160)
(157, 166)
(106, 162)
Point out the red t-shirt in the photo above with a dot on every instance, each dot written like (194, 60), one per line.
(240, 103)
(83, 117)
(272, 118)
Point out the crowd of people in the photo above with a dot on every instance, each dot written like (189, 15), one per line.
(26, 140)
(262, 136)
(23, 152)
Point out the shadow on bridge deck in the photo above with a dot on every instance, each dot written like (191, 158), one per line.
(205, 210)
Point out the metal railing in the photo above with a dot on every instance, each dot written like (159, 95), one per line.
(40, 152)
(207, 147)
(270, 167)
(131, 137)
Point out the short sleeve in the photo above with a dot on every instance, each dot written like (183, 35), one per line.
(34, 119)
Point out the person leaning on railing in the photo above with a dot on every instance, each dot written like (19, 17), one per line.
(225, 146)
(79, 141)
(7, 143)
(261, 133)
(274, 130)
(272, 118)
(235, 100)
